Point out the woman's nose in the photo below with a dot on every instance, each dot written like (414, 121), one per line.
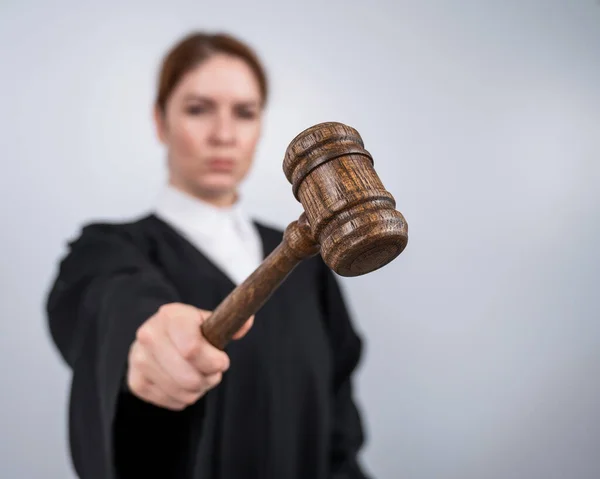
(223, 130)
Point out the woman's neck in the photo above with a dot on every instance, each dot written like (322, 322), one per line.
(220, 200)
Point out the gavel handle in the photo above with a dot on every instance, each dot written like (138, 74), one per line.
(247, 298)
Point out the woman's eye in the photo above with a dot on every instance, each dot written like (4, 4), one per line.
(246, 114)
(196, 109)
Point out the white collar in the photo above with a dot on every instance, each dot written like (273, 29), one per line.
(189, 213)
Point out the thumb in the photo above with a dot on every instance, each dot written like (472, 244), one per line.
(202, 315)
(183, 327)
(244, 329)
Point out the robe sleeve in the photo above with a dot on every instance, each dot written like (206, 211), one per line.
(105, 288)
(348, 433)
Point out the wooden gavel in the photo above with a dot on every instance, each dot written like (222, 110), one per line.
(348, 216)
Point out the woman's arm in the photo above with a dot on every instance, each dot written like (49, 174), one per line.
(104, 275)
(105, 288)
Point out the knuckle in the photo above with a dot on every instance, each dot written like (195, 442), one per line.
(218, 363)
(166, 308)
(191, 398)
(217, 378)
(225, 363)
(214, 379)
(163, 309)
(145, 334)
(191, 349)
(160, 398)
(165, 312)
(193, 383)
(176, 406)
(144, 388)
(169, 308)
(138, 384)
(186, 397)
(137, 357)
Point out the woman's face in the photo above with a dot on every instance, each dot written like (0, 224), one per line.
(211, 126)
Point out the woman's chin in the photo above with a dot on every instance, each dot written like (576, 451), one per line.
(217, 185)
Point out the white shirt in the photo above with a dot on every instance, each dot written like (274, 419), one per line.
(227, 236)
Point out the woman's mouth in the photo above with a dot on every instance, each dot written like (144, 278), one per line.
(221, 164)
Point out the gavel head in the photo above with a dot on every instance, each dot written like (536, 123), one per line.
(350, 213)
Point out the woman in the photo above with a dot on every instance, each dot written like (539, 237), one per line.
(150, 397)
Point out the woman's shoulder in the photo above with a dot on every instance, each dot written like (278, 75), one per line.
(134, 231)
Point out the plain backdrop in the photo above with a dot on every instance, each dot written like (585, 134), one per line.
(482, 339)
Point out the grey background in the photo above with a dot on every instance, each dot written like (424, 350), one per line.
(483, 338)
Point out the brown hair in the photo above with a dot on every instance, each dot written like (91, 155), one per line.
(198, 47)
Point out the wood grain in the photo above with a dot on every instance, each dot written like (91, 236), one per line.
(247, 298)
(352, 215)
(349, 217)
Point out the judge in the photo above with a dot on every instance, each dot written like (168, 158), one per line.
(150, 397)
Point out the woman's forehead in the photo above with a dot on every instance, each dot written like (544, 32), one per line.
(221, 77)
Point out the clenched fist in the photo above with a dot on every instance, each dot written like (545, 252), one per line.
(170, 363)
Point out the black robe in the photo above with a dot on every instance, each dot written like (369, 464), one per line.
(284, 409)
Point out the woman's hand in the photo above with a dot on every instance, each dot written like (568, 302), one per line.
(170, 363)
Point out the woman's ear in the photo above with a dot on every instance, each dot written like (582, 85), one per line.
(160, 124)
